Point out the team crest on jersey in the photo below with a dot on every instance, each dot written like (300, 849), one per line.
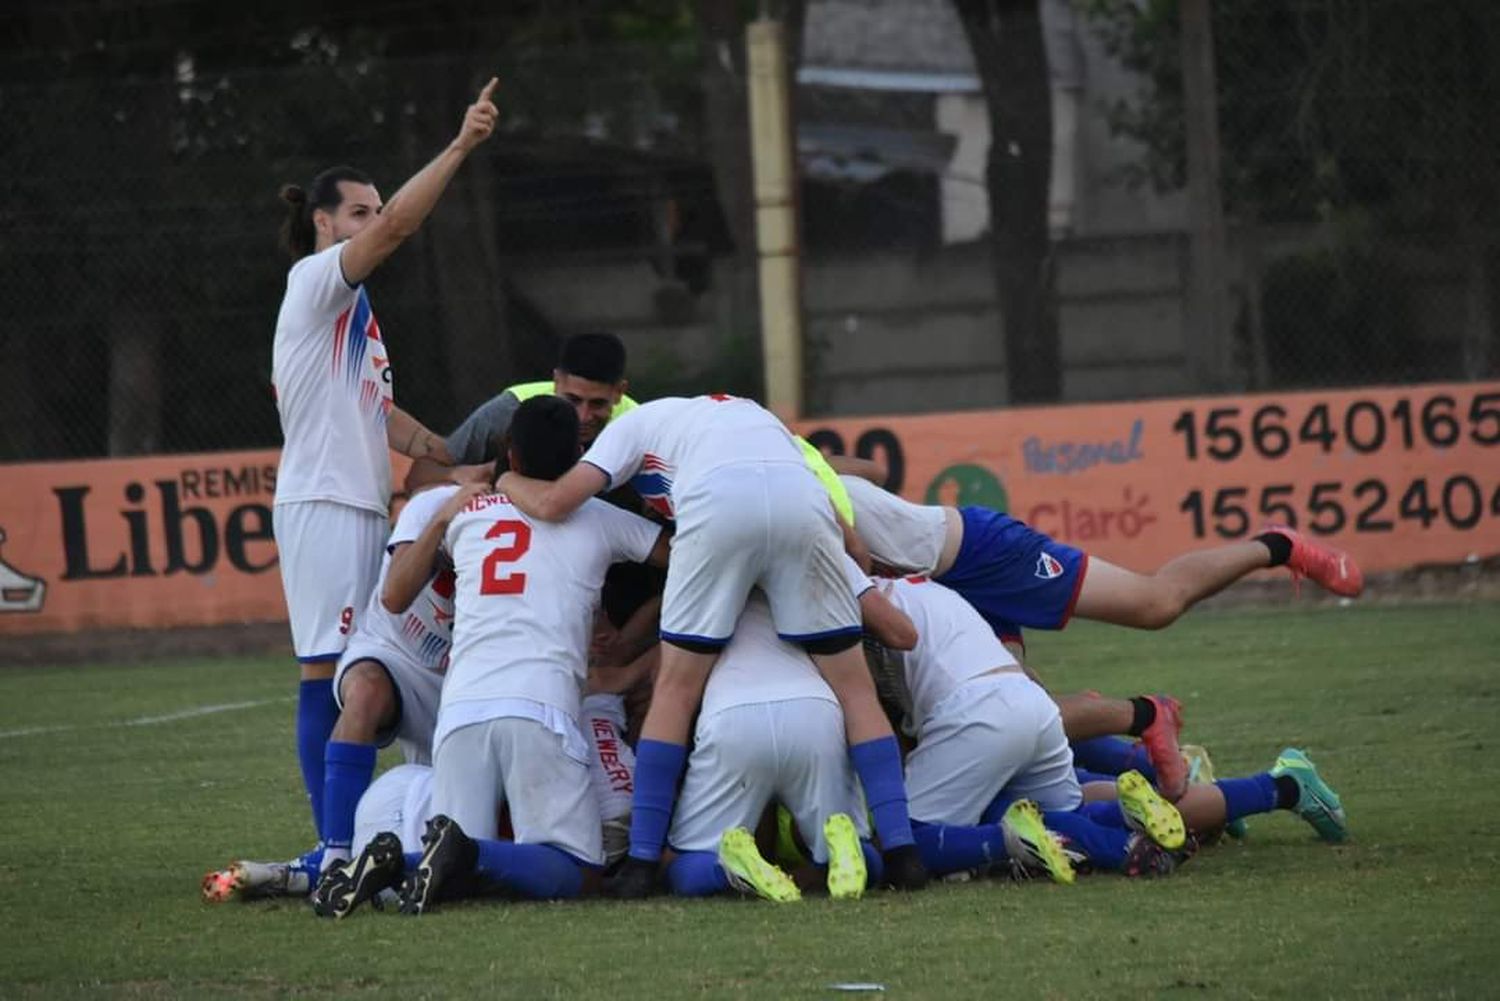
(1047, 567)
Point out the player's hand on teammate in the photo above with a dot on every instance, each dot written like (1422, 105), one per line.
(479, 120)
(460, 498)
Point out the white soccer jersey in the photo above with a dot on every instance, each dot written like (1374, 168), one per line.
(900, 534)
(525, 598)
(425, 630)
(759, 666)
(661, 447)
(332, 381)
(954, 644)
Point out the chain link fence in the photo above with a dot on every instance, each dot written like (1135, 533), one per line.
(1360, 177)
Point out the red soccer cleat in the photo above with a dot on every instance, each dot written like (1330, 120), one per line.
(1332, 569)
(1160, 740)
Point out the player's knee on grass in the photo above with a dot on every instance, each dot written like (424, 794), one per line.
(369, 703)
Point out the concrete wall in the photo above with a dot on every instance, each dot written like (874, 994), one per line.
(907, 333)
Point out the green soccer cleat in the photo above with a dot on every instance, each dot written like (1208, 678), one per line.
(1030, 845)
(846, 858)
(748, 872)
(1317, 803)
(1148, 812)
(1201, 772)
(788, 854)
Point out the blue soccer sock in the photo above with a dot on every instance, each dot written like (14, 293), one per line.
(697, 874)
(1105, 812)
(874, 864)
(1106, 847)
(949, 848)
(878, 764)
(310, 862)
(1242, 797)
(540, 872)
(1113, 756)
(347, 770)
(316, 714)
(997, 807)
(658, 766)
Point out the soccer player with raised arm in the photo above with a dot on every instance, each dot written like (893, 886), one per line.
(332, 379)
(749, 512)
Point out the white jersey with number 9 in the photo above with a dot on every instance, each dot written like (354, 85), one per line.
(525, 596)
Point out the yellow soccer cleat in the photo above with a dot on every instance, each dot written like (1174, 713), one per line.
(1030, 845)
(748, 872)
(1148, 812)
(846, 858)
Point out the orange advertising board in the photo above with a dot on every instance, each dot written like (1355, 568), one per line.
(1398, 477)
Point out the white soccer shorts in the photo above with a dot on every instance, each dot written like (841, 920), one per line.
(417, 692)
(525, 765)
(399, 800)
(330, 558)
(792, 751)
(748, 524)
(993, 732)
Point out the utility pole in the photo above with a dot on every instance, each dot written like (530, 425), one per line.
(1208, 323)
(777, 240)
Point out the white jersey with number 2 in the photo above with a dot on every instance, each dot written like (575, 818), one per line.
(525, 596)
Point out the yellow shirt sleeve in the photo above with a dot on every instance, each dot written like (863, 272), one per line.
(831, 482)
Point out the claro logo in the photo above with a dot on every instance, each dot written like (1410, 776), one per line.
(193, 538)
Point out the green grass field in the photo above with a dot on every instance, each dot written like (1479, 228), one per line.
(112, 806)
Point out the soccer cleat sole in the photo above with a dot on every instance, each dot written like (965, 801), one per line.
(1148, 812)
(1030, 843)
(748, 872)
(847, 874)
(444, 846)
(377, 868)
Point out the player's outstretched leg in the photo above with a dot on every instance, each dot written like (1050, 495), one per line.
(1030, 845)
(748, 872)
(1317, 804)
(1148, 812)
(1201, 772)
(1151, 601)
(347, 885)
(247, 880)
(847, 873)
(448, 854)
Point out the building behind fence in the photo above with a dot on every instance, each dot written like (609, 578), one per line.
(141, 277)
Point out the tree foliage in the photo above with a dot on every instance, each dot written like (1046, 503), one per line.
(1326, 104)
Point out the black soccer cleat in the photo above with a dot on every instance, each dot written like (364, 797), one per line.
(904, 869)
(634, 880)
(344, 887)
(1144, 858)
(448, 855)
